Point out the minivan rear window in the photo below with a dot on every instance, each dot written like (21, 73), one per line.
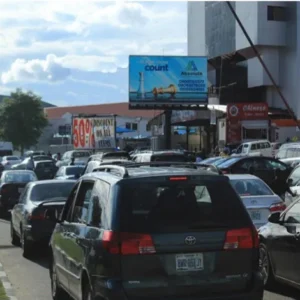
(178, 207)
(169, 157)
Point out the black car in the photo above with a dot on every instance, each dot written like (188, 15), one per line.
(45, 169)
(146, 232)
(32, 217)
(11, 186)
(260, 166)
(279, 247)
(69, 172)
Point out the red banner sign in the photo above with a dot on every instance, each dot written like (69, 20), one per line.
(233, 131)
(248, 111)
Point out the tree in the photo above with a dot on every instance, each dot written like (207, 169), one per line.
(22, 119)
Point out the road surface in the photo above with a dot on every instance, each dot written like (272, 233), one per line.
(30, 278)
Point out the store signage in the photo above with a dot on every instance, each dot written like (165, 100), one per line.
(248, 111)
(94, 133)
(233, 131)
(156, 81)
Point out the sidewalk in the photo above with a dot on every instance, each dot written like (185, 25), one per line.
(6, 289)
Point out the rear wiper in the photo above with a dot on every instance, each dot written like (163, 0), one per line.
(207, 225)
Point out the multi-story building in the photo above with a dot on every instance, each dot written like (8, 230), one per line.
(274, 29)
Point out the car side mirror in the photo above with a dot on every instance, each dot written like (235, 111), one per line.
(233, 151)
(274, 218)
(290, 181)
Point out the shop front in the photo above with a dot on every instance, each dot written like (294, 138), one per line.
(247, 122)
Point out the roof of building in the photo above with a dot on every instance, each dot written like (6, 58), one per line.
(121, 109)
(44, 104)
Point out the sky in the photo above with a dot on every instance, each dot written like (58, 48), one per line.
(76, 52)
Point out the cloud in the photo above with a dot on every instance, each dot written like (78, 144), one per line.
(36, 70)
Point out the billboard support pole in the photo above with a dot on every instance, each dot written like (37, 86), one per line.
(71, 131)
(115, 126)
(167, 129)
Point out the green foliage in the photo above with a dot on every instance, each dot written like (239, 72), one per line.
(22, 119)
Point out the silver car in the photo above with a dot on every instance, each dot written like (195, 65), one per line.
(257, 196)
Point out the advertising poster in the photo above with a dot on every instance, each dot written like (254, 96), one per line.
(165, 80)
(94, 133)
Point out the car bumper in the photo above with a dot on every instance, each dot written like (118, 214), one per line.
(111, 290)
(38, 234)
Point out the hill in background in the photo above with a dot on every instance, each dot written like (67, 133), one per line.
(44, 104)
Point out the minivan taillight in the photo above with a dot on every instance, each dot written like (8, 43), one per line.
(277, 207)
(128, 243)
(244, 238)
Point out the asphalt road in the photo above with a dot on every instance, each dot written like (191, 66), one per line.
(30, 278)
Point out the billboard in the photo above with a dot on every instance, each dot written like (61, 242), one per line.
(94, 132)
(172, 81)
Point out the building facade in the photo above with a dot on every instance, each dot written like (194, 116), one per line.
(274, 29)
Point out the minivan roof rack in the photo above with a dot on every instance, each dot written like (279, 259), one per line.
(108, 168)
(161, 164)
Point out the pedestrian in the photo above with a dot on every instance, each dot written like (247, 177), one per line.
(49, 154)
(58, 156)
(30, 164)
(280, 185)
(72, 163)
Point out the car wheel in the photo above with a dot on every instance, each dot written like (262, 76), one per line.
(26, 245)
(57, 292)
(265, 266)
(15, 240)
(87, 293)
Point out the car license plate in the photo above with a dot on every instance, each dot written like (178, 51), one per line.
(20, 190)
(189, 262)
(255, 215)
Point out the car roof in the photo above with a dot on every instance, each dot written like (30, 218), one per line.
(149, 171)
(43, 161)
(241, 176)
(18, 171)
(51, 181)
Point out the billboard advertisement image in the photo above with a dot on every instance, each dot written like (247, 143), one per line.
(166, 80)
(94, 132)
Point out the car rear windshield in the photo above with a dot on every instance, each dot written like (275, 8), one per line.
(169, 157)
(21, 177)
(12, 158)
(48, 191)
(251, 187)
(119, 155)
(81, 154)
(40, 157)
(74, 170)
(177, 207)
(46, 165)
(228, 162)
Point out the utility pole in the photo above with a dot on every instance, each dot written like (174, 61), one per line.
(263, 64)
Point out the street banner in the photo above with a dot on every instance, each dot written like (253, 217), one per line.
(155, 81)
(94, 133)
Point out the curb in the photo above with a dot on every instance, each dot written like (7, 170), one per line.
(10, 292)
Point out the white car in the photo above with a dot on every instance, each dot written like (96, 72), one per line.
(257, 197)
(9, 161)
(294, 183)
(254, 148)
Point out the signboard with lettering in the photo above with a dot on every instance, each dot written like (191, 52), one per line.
(94, 133)
(167, 81)
(248, 111)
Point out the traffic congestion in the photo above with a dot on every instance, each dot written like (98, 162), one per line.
(170, 223)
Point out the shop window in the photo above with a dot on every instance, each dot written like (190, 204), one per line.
(128, 125)
(134, 126)
(148, 127)
(276, 13)
(255, 134)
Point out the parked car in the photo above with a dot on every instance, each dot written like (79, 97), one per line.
(32, 217)
(69, 172)
(279, 244)
(9, 161)
(262, 167)
(154, 232)
(257, 197)
(162, 156)
(81, 155)
(12, 183)
(45, 169)
(254, 148)
(294, 184)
